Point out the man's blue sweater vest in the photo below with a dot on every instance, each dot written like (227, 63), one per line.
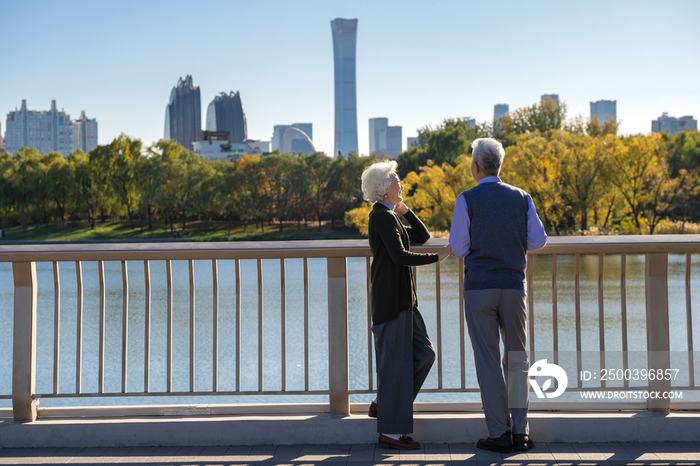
(498, 233)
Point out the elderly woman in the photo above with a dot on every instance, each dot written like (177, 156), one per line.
(405, 354)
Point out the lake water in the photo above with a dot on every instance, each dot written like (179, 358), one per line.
(318, 345)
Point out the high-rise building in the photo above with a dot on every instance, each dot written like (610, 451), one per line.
(552, 97)
(673, 125)
(344, 44)
(84, 133)
(297, 137)
(470, 121)
(44, 130)
(499, 111)
(2, 140)
(225, 113)
(415, 142)
(296, 140)
(384, 140)
(604, 110)
(183, 114)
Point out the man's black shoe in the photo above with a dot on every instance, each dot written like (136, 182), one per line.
(502, 444)
(522, 442)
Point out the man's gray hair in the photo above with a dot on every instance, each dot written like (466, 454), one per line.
(376, 180)
(488, 154)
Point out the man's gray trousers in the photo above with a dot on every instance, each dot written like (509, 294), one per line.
(487, 312)
(405, 355)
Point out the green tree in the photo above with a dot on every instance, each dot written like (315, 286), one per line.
(123, 168)
(544, 116)
(319, 166)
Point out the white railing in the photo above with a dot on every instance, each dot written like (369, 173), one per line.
(336, 253)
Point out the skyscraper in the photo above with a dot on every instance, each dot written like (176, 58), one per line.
(499, 111)
(297, 141)
(470, 121)
(225, 113)
(344, 43)
(183, 114)
(412, 142)
(671, 124)
(44, 130)
(384, 140)
(604, 110)
(84, 133)
(553, 97)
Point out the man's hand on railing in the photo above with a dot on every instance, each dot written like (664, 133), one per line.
(444, 253)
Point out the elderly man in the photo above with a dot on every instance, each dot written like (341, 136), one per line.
(493, 227)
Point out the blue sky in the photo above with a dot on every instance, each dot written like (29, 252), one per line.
(418, 62)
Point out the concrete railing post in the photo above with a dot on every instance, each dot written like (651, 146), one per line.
(24, 342)
(658, 340)
(338, 364)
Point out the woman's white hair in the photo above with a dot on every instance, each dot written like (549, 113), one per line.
(488, 154)
(376, 180)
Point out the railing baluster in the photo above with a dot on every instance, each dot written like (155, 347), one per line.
(370, 372)
(306, 324)
(56, 324)
(338, 365)
(169, 326)
(283, 324)
(101, 360)
(689, 322)
(577, 306)
(531, 305)
(24, 405)
(192, 324)
(462, 318)
(601, 315)
(623, 313)
(260, 326)
(238, 325)
(125, 324)
(438, 318)
(79, 328)
(555, 314)
(215, 324)
(147, 326)
(658, 334)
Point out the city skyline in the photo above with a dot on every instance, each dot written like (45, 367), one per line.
(286, 75)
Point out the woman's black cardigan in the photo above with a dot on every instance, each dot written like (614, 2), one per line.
(393, 290)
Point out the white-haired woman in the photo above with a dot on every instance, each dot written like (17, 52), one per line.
(404, 352)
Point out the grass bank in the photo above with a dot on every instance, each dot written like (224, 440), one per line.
(195, 231)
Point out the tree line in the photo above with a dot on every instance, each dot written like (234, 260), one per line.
(582, 176)
(167, 183)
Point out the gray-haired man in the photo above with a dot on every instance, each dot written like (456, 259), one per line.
(493, 227)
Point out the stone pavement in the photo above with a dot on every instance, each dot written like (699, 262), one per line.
(661, 453)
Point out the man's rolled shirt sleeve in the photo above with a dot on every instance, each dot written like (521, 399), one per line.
(460, 241)
(536, 236)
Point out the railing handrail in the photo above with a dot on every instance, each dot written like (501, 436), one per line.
(630, 244)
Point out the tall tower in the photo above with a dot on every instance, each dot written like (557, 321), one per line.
(604, 110)
(225, 113)
(183, 114)
(499, 111)
(84, 133)
(344, 44)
